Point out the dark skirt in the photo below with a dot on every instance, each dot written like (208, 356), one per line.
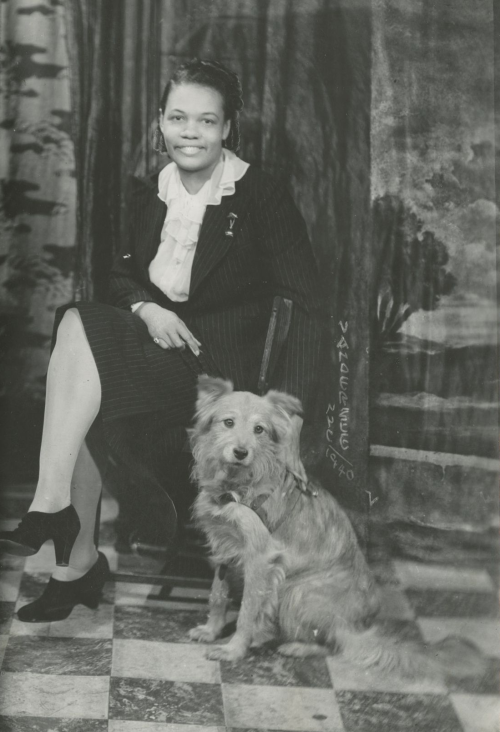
(137, 376)
(148, 393)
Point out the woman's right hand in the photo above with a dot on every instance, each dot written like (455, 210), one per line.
(165, 326)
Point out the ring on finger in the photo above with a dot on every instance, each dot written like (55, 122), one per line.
(156, 340)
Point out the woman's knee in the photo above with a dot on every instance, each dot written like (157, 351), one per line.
(71, 325)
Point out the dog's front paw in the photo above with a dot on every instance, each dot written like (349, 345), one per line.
(203, 634)
(226, 653)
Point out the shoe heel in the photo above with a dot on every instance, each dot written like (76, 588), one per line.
(65, 529)
(63, 547)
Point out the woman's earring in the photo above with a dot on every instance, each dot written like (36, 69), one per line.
(159, 141)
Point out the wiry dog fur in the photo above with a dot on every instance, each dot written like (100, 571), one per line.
(306, 583)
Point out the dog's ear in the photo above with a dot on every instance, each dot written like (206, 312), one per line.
(210, 390)
(288, 403)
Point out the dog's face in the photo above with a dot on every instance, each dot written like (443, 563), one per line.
(238, 429)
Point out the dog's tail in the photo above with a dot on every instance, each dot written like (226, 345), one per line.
(373, 650)
(367, 649)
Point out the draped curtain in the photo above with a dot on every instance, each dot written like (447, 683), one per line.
(114, 59)
(305, 70)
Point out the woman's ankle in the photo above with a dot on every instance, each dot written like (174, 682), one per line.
(48, 503)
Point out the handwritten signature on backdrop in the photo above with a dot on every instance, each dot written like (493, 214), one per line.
(339, 411)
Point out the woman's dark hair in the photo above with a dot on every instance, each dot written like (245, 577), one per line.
(216, 76)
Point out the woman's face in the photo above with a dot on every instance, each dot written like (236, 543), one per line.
(194, 128)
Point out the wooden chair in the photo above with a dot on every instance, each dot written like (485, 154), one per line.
(162, 504)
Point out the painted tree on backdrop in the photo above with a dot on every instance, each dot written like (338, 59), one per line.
(409, 268)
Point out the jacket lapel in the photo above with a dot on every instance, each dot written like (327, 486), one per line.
(213, 242)
(152, 214)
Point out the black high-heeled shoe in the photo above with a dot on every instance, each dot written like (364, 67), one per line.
(36, 528)
(59, 598)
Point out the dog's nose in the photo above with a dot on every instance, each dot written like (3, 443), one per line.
(240, 453)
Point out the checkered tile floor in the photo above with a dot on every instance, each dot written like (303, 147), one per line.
(128, 666)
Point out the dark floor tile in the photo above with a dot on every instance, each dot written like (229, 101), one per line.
(486, 682)
(107, 534)
(6, 615)
(61, 656)
(374, 712)
(151, 623)
(142, 561)
(142, 565)
(51, 724)
(402, 630)
(32, 585)
(173, 702)
(10, 561)
(267, 667)
(452, 604)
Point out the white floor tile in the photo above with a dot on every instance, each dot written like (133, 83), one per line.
(442, 577)
(281, 708)
(119, 725)
(485, 633)
(43, 695)
(130, 593)
(477, 713)
(9, 585)
(142, 595)
(43, 561)
(4, 639)
(32, 629)
(190, 592)
(109, 509)
(171, 661)
(85, 623)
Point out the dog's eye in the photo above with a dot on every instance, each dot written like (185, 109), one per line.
(258, 429)
(229, 422)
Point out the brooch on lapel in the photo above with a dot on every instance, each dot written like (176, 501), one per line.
(232, 218)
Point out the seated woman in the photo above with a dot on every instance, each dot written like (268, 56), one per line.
(212, 241)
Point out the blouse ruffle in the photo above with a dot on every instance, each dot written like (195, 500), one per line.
(170, 270)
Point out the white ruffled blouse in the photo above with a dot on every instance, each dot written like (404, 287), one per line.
(171, 267)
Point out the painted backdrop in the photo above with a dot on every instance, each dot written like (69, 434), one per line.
(379, 116)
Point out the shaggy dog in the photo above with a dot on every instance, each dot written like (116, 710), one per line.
(306, 584)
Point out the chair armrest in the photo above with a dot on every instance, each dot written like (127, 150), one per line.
(277, 333)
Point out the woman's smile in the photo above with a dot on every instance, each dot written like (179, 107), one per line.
(190, 149)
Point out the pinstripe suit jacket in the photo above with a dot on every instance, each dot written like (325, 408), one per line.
(234, 279)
